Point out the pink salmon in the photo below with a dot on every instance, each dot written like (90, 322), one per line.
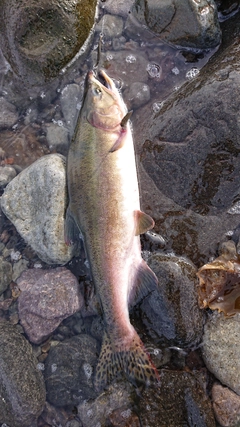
(104, 209)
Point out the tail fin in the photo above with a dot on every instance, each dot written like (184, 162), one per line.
(134, 362)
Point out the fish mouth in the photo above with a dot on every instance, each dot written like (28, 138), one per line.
(103, 78)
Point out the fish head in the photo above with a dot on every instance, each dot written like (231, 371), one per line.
(103, 104)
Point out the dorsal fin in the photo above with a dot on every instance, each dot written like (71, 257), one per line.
(144, 222)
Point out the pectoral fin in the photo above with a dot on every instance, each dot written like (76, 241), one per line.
(120, 141)
(71, 230)
(144, 222)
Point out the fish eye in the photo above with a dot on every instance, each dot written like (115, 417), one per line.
(97, 91)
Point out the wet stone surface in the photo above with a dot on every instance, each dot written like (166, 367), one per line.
(183, 23)
(171, 313)
(181, 400)
(49, 36)
(21, 383)
(188, 153)
(69, 371)
(221, 351)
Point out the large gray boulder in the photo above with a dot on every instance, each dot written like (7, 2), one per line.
(35, 202)
(189, 156)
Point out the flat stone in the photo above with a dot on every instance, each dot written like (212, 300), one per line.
(35, 202)
(47, 297)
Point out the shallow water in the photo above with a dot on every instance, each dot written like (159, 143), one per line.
(136, 55)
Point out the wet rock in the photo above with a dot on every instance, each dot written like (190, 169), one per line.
(35, 202)
(226, 405)
(70, 100)
(111, 26)
(189, 156)
(40, 38)
(221, 349)
(57, 137)
(23, 145)
(7, 173)
(54, 416)
(69, 371)
(180, 400)
(185, 23)
(171, 313)
(98, 411)
(8, 114)
(47, 297)
(137, 95)
(21, 383)
(122, 7)
(5, 274)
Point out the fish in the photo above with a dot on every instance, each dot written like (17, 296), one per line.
(104, 210)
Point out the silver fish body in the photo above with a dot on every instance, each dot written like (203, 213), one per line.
(104, 206)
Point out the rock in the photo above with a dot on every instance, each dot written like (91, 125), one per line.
(97, 412)
(7, 173)
(47, 297)
(221, 349)
(137, 95)
(8, 114)
(69, 371)
(184, 23)
(35, 202)
(57, 138)
(21, 383)
(180, 400)
(39, 38)
(171, 313)
(189, 156)
(70, 100)
(226, 405)
(18, 268)
(5, 274)
(122, 7)
(111, 26)
(54, 416)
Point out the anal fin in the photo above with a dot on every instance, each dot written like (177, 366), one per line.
(144, 282)
(144, 222)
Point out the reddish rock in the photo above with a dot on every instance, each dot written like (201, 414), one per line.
(47, 297)
(226, 405)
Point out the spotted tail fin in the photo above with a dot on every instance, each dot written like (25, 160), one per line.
(133, 361)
